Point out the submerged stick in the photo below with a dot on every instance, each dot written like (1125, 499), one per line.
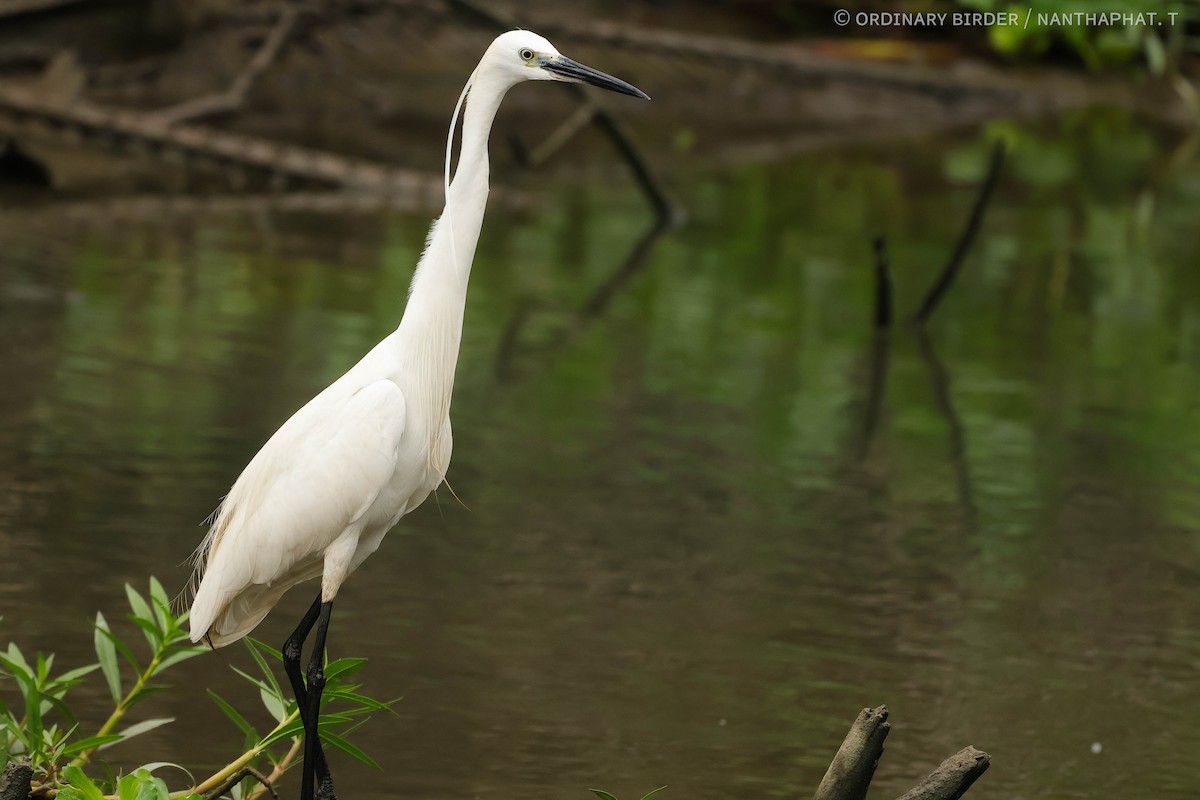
(883, 285)
(952, 778)
(942, 284)
(849, 775)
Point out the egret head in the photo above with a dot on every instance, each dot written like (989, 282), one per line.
(525, 56)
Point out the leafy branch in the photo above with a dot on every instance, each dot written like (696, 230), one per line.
(45, 734)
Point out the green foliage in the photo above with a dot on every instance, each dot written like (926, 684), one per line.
(43, 730)
(603, 795)
(348, 708)
(1097, 46)
(46, 732)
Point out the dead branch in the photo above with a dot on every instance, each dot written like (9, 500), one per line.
(587, 314)
(952, 778)
(238, 777)
(16, 8)
(277, 773)
(938, 290)
(559, 137)
(883, 285)
(880, 345)
(20, 107)
(850, 773)
(235, 96)
(849, 776)
(940, 381)
(793, 64)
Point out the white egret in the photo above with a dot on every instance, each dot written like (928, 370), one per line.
(319, 496)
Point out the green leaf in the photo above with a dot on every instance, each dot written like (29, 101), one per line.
(260, 684)
(87, 744)
(153, 634)
(140, 728)
(276, 706)
(71, 677)
(603, 795)
(253, 647)
(150, 787)
(360, 699)
(106, 651)
(182, 655)
(290, 731)
(127, 787)
(162, 604)
(154, 766)
(650, 794)
(243, 724)
(343, 667)
(50, 701)
(76, 777)
(124, 650)
(143, 614)
(345, 746)
(16, 666)
(265, 648)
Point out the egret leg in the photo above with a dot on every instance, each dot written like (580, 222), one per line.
(315, 768)
(312, 738)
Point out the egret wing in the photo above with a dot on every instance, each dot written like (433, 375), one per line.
(314, 479)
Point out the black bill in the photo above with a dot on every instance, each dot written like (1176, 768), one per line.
(573, 70)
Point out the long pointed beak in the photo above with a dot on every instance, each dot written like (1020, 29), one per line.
(576, 72)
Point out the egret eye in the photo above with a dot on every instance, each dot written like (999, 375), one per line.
(526, 54)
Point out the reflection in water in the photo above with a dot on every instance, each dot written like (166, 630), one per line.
(590, 311)
(675, 569)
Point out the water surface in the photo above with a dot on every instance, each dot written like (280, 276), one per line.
(691, 549)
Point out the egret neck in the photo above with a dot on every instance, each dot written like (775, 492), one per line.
(430, 332)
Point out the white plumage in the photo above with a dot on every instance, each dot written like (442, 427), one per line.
(319, 496)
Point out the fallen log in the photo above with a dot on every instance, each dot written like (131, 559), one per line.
(147, 131)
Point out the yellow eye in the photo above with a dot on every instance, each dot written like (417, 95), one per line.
(526, 54)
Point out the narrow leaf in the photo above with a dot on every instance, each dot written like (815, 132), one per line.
(124, 650)
(264, 666)
(162, 604)
(603, 795)
(343, 666)
(274, 704)
(345, 746)
(71, 676)
(360, 699)
(76, 777)
(265, 648)
(653, 792)
(140, 728)
(182, 655)
(233, 714)
(154, 766)
(90, 742)
(142, 613)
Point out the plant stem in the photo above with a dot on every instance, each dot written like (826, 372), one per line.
(245, 758)
(126, 703)
(280, 768)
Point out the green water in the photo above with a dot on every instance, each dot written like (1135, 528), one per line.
(692, 552)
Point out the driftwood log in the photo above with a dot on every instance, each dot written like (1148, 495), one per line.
(849, 775)
(15, 781)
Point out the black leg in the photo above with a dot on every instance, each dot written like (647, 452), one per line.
(312, 738)
(292, 650)
(314, 768)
